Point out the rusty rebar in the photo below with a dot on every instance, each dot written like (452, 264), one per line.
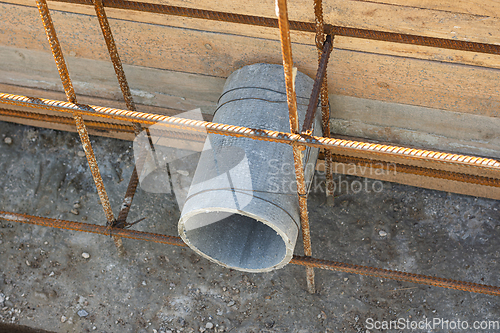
(325, 103)
(296, 25)
(121, 221)
(372, 163)
(396, 275)
(318, 84)
(297, 260)
(340, 146)
(115, 57)
(91, 228)
(70, 94)
(290, 72)
(415, 170)
(91, 124)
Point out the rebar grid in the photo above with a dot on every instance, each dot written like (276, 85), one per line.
(290, 72)
(297, 260)
(70, 94)
(297, 140)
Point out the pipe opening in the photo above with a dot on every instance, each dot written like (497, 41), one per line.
(235, 240)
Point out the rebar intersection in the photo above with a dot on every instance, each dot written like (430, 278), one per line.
(298, 140)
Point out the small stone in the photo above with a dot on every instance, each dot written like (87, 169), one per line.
(168, 331)
(85, 255)
(2, 298)
(28, 263)
(382, 233)
(76, 206)
(81, 153)
(82, 313)
(230, 303)
(209, 325)
(51, 274)
(345, 279)
(74, 211)
(70, 320)
(143, 283)
(63, 319)
(7, 140)
(94, 328)
(183, 172)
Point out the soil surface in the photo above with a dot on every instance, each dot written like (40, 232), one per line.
(66, 281)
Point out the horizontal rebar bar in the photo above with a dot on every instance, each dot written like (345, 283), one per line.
(403, 168)
(296, 25)
(100, 125)
(297, 260)
(415, 170)
(336, 145)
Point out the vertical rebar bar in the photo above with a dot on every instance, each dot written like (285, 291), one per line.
(71, 96)
(129, 101)
(286, 50)
(325, 104)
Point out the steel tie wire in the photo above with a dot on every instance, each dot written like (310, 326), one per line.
(70, 94)
(297, 260)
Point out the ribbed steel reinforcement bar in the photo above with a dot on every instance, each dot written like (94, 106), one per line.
(296, 25)
(290, 72)
(318, 83)
(403, 168)
(297, 260)
(121, 221)
(325, 103)
(415, 170)
(336, 145)
(70, 93)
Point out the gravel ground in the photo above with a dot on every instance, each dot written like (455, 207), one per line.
(64, 281)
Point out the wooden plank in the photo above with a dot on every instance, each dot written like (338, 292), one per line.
(340, 42)
(415, 126)
(415, 180)
(372, 15)
(387, 78)
(410, 20)
(165, 89)
(489, 8)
